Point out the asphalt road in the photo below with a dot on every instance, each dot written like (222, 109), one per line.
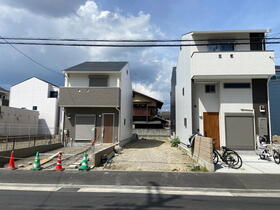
(77, 200)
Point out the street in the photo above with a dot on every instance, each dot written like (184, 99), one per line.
(78, 200)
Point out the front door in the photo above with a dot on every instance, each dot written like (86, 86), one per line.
(108, 128)
(211, 127)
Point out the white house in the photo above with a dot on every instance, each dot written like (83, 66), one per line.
(97, 102)
(37, 94)
(221, 88)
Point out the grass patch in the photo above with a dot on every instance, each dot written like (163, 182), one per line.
(175, 142)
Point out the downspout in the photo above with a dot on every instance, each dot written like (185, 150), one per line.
(268, 109)
(119, 126)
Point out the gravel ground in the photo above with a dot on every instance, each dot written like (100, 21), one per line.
(151, 155)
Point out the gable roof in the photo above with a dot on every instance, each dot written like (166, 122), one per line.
(159, 103)
(38, 79)
(97, 66)
(3, 90)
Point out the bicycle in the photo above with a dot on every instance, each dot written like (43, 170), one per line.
(228, 156)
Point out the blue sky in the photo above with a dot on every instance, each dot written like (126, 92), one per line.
(123, 19)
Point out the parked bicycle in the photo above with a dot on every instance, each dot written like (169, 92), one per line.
(266, 150)
(228, 156)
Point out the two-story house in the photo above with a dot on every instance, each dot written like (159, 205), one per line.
(221, 87)
(146, 112)
(38, 95)
(97, 102)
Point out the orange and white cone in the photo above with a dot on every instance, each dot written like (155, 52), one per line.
(12, 161)
(58, 166)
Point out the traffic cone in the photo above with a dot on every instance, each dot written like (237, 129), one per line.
(12, 161)
(36, 164)
(58, 166)
(84, 163)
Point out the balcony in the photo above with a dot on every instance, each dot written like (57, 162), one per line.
(89, 97)
(234, 63)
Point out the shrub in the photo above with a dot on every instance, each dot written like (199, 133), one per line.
(175, 142)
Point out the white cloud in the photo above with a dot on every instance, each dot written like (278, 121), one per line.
(150, 67)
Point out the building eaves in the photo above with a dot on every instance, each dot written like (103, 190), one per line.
(159, 103)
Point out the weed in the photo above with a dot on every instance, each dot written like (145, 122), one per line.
(175, 142)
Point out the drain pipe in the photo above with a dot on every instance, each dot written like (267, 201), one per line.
(119, 126)
(268, 108)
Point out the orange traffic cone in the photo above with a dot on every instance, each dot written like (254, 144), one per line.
(58, 166)
(12, 161)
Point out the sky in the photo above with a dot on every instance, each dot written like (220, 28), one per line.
(120, 19)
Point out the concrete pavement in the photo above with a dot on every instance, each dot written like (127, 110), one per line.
(251, 164)
(137, 178)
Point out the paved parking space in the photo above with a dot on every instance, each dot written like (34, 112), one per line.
(251, 164)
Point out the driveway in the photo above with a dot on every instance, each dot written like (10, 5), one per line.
(151, 155)
(251, 164)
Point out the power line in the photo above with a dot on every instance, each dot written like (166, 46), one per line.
(128, 45)
(27, 56)
(135, 40)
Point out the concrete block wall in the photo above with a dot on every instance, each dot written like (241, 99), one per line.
(152, 133)
(203, 152)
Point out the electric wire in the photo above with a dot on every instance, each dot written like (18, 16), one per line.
(28, 57)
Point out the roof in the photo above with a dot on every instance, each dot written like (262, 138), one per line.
(230, 31)
(159, 103)
(36, 78)
(97, 66)
(3, 90)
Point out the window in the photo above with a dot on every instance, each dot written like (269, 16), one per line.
(210, 88)
(34, 108)
(185, 122)
(237, 85)
(124, 121)
(220, 47)
(98, 80)
(53, 94)
(183, 91)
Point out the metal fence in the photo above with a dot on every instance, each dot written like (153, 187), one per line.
(23, 136)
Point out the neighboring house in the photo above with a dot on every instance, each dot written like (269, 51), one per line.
(97, 102)
(172, 101)
(39, 95)
(4, 97)
(274, 99)
(221, 88)
(145, 111)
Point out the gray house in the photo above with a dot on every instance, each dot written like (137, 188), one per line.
(97, 102)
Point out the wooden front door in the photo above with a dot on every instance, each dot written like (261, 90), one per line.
(108, 128)
(211, 127)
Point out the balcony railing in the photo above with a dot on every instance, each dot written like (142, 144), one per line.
(233, 63)
(89, 97)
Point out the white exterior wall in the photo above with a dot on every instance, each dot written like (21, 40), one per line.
(82, 79)
(237, 100)
(233, 101)
(184, 102)
(126, 104)
(35, 92)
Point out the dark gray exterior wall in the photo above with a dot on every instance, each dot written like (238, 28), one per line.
(259, 88)
(274, 100)
(172, 101)
(70, 114)
(89, 97)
